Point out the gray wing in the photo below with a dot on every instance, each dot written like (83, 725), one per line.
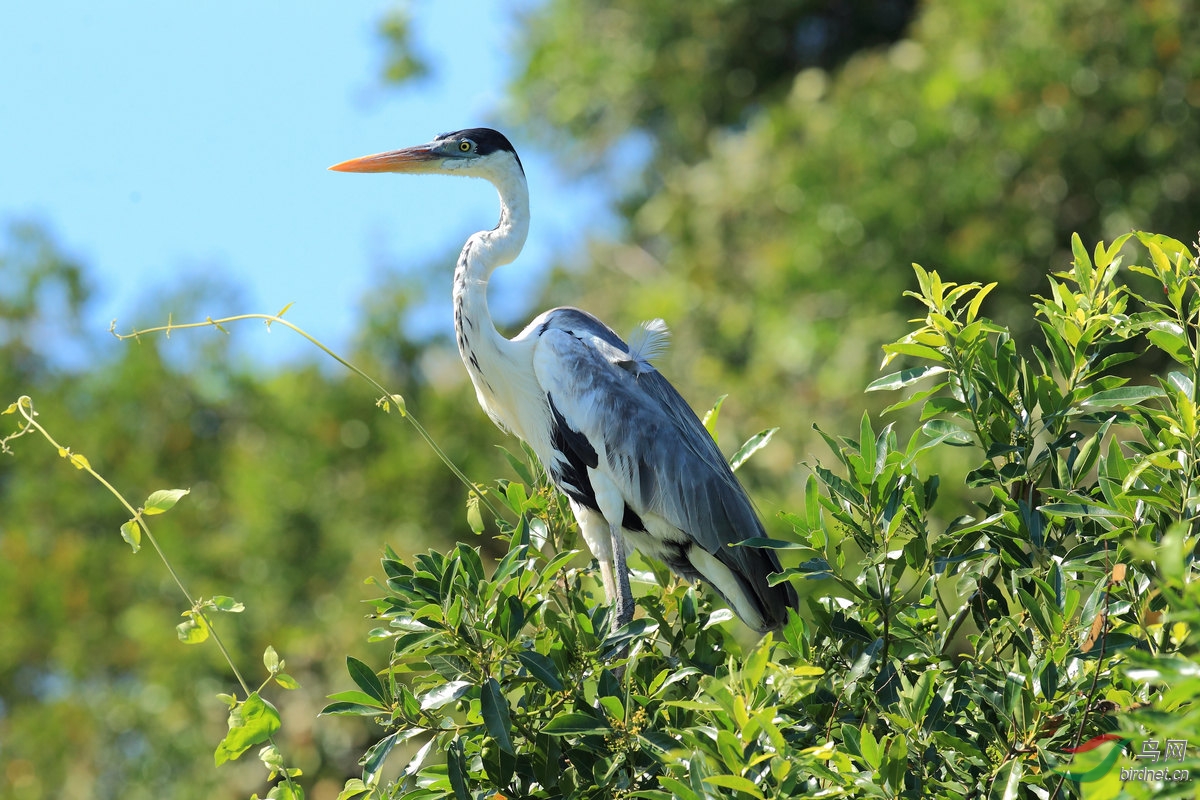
(614, 412)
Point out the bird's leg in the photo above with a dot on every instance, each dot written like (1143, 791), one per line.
(622, 592)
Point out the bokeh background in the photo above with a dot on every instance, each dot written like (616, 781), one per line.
(759, 174)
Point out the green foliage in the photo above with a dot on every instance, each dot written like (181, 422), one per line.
(769, 208)
(770, 204)
(932, 658)
(295, 477)
(512, 673)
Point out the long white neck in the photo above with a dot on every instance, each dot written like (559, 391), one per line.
(483, 349)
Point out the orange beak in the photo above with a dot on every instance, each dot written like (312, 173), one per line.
(410, 159)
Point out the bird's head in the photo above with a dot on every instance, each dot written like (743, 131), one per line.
(474, 152)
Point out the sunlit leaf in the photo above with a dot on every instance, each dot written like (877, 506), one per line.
(251, 722)
(755, 443)
(162, 500)
(710, 417)
(905, 377)
(131, 532)
(192, 630)
(445, 693)
(227, 604)
(735, 782)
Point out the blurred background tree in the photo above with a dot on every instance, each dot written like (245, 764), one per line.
(775, 166)
(789, 168)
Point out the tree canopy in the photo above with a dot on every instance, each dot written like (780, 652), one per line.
(775, 166)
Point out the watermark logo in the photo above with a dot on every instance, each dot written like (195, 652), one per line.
(1157, 757)
(1171, 750)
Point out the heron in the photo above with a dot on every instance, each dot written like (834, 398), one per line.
(636, 464)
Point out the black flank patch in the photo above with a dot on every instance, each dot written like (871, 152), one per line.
(578, 455)
(630, 521)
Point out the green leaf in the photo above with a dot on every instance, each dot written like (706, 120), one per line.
(868, 447)
(366, 679)
(940, 430)
(736, 783)
(1079, 510)
(162, 501)
(977, 301)
(372, 760)
(271, 758)
(905, 377)
(474, 517)
(353, 788)
(286, 681)
(542, 668)
(1083, 263)
(755, 443)
(286, 790)
(1036, 613)
(131, 532)
(917, 350)
(355, 696)
(518, 466)
(710, 417)
(271, 659)
(192, 630)
(227, 604)
(678, 788)
(869, 747)
(1171, 338)
(1007, 783)
(345, 709)
(613, 705)
(494, 708)
(917, 397)
(251, 722)
(570, 723)
(1122, 397)
(445, 693)
(418, 760)
(456, 767)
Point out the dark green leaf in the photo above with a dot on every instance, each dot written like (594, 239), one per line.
(1079, 510)
(366, 679)
(372, 760)
(570, 723)
(494, 708)
(542, 668)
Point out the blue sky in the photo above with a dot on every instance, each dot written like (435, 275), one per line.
(163, 142)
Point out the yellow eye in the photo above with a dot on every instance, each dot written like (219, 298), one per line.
(465, 145)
